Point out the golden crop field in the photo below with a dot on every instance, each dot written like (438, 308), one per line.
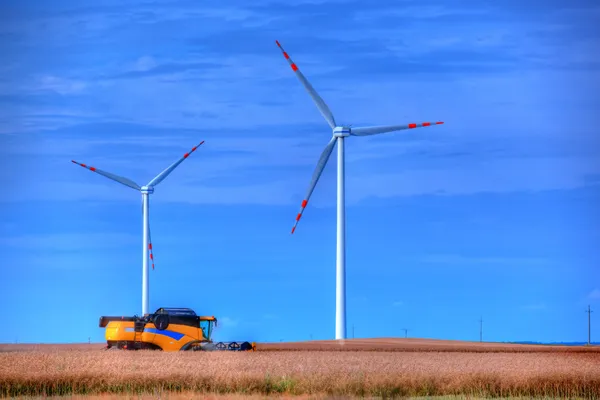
(91, 371)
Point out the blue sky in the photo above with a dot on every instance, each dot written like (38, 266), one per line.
(492, 214)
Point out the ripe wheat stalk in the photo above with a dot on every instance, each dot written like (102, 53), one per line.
(39, 373)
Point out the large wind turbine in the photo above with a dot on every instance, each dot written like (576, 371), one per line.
(339, 133)
(146, 191)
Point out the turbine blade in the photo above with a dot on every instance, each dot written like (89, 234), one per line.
(150, 255)
(374, 130)
(315, 178)
(117, 178)
(160, 177)
(321, 105)
(150, 246)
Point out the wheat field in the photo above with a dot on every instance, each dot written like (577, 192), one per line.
(307, 373)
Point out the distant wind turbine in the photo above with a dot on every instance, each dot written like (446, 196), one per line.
(339, 133)
(146, 191)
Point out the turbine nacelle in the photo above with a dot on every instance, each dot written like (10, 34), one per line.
(341, 131)
(147, 189)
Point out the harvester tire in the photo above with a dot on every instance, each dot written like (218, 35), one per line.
(194, 345)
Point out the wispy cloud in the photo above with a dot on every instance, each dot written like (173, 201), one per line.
(61, 85)
(500, 176)
(421, 11)
(212, 88)
(458, 259)
(57, 242)
(227, 322)
(147, 68)
(594, 294)
(238, 170)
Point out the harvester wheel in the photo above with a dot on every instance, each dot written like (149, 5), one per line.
(194, 345)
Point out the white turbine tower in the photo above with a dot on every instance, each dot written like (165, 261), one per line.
(339, 133)
(146, 239)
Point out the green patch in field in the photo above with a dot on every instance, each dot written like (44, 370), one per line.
(284, 384)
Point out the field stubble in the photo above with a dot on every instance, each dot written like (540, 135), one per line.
(54, 372)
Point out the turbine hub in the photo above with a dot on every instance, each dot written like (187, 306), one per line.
(147, 189)
(341, 131)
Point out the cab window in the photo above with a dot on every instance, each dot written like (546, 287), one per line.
(206, 327)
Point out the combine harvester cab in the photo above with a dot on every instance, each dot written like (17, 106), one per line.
(168, 329)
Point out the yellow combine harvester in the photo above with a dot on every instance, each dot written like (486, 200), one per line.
(168, 329)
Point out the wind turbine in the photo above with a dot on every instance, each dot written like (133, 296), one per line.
(146, 191)
(339, 134)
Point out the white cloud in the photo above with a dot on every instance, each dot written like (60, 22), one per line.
(594, 294)
(144, 63)
(60, 85)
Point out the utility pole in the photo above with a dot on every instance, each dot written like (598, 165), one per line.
(481, 329)
(405, 332)
(589, 311)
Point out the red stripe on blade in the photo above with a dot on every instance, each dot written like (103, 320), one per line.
(294, 67)
(277, 43)
(439, 123)
(304, 203)
(83, 165)
(186, 155)
(194, 149)
(293, 229)
(426, 123)
(151, 257)
(202, 142)
(412, 126)
(298, 217)
(286, 55)
(150, 246)
(92, 169)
